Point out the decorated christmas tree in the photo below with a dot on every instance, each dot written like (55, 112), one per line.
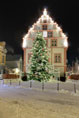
(39, 65)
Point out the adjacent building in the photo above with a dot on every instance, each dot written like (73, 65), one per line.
(56, 40)
(14, 63)
(2, 56)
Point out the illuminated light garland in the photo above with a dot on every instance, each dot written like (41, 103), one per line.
(25, 37)
(51, 20)
(24, 45)
(38, 21)
(63, 35)
(45, 12)
(58, 28)
(30, 29)
(45, 16)
(65, 42)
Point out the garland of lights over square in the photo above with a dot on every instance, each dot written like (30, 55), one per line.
(56, 42)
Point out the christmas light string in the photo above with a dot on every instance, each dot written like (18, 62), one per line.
(45, 16)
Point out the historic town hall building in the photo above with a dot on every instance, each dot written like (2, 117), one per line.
(56, 42)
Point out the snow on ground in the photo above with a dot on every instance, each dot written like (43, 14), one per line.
(25, 102)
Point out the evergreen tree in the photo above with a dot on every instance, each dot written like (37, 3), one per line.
(39, 65)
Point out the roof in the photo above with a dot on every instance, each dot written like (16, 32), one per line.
(12, 64)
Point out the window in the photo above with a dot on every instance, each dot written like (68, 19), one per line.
(44, 34)
(2, 59)
(57, 58)
(49, 34)
(38, 27)
(54, 42)
(45, 21)
(50, 27)
(44, 27)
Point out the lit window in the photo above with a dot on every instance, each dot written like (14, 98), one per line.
(54, 42)
(44, 34)
(49, 34)
(44, 27)
(57, 58)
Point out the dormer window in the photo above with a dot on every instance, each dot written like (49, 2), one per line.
(44, 27)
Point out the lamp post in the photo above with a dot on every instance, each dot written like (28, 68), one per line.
(24, 46)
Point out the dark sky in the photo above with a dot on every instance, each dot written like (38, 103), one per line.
(17, 17)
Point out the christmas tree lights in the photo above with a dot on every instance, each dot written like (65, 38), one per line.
(39, 65)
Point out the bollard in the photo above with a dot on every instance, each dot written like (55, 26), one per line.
(10, 82)
(19, 83)
(58, 86)
(74, 88)
(42, 85)
(3, 81)
(30, 84)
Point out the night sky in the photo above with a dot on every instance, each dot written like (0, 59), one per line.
(17, 17)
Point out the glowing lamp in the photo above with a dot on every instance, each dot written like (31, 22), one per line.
(16, 70)
(45, 12)
(24, 44)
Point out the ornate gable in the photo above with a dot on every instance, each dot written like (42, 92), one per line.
(49, 29)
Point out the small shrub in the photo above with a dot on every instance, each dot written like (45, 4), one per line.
(63, 79)
(24, 78)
